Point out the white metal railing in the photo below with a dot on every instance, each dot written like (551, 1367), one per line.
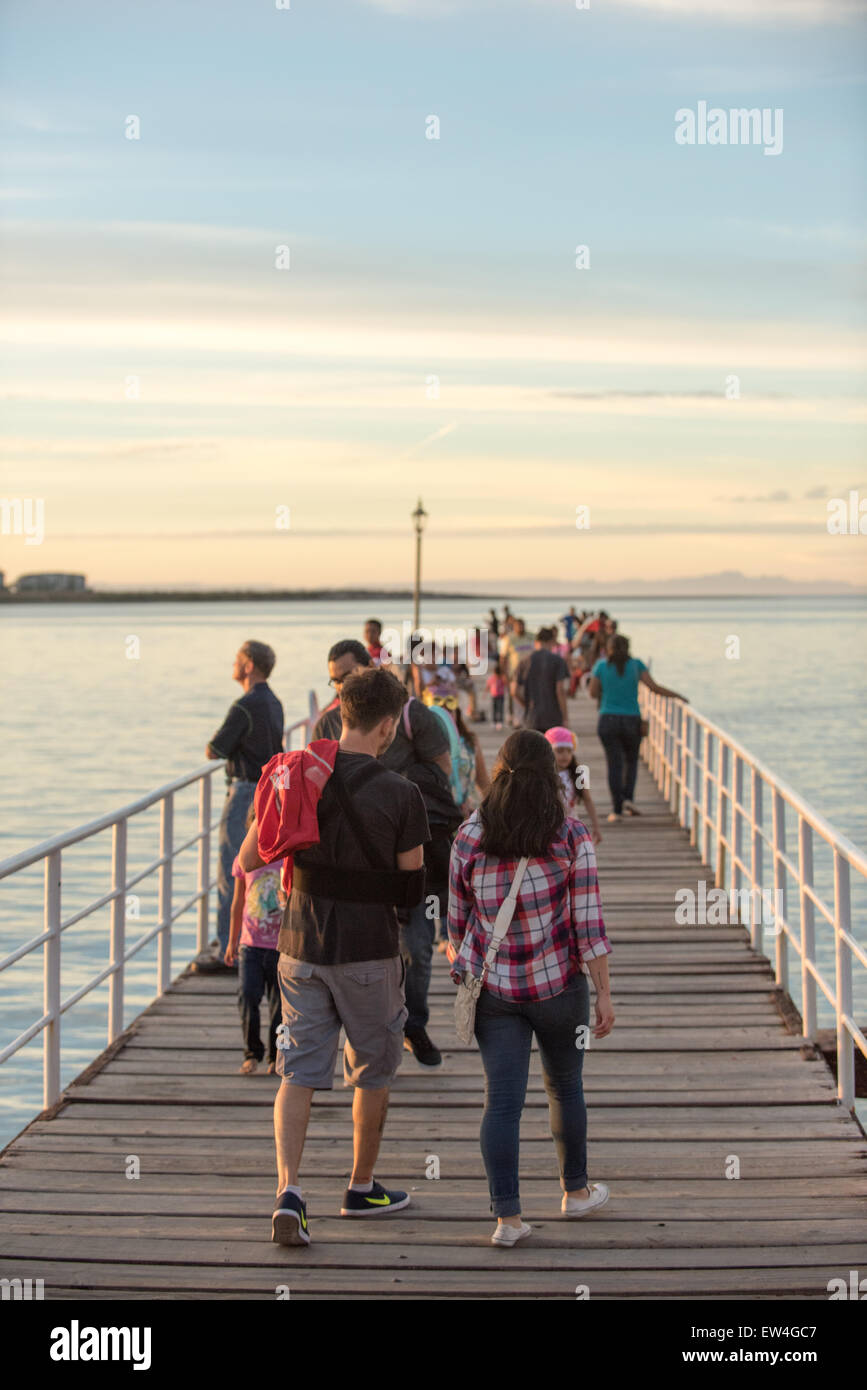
(703, 773)
(54, 924)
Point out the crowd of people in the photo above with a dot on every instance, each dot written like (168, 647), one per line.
(344, 865)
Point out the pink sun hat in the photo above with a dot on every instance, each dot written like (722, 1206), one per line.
(560, 737)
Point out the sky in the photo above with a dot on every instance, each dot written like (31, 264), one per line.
(338, 267)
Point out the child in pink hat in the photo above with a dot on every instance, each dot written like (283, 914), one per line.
(579, 802)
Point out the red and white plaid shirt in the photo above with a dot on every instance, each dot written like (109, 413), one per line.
(558, 915)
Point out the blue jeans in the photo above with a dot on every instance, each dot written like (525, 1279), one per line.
(416, 947)
(233, 823)
(504, 1032)
(257, 975)
(620, 736)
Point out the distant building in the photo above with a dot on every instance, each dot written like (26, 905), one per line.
(50, 583)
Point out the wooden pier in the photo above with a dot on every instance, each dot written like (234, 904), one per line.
(704, 1073)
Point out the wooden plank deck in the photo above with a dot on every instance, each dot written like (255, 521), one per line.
(701, 1066)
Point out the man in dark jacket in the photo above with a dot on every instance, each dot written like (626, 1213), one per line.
(251, 733)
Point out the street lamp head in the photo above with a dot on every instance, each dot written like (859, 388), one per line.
(419, 516)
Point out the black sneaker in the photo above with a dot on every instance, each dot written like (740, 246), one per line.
(212, 963)
(289, 1222)
(419, 1044)
(372, 1203)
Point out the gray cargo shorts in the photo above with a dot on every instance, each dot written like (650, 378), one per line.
(366, 997)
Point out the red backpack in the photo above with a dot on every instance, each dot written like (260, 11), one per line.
(286, 823)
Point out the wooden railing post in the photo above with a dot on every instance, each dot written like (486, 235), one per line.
(164, 940)
(780, 890)
(737, 822)
(51, 982)
(722, 773)
(757, 873)
(204, 862)
(845, 1041)
(705, 796)
(808, 927)
(118, 930)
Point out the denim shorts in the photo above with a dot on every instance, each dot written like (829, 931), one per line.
(365, 997)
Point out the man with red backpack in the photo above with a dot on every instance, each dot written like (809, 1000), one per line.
(419, 752)
(340, 962)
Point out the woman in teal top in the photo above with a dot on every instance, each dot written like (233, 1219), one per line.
(614, 683)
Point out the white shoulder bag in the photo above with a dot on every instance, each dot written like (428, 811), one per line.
(470, 987)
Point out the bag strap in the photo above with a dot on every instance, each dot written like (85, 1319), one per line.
(504, 917)
(407, 726)
(373, 769)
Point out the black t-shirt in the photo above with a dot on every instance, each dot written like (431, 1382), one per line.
(325, 932)
(251, 733)
(538, 676)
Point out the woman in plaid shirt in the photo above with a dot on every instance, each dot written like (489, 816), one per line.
(537, 984)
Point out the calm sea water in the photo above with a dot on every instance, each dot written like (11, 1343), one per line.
(87, 727)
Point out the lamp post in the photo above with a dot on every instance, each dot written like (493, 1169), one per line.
(419, 517)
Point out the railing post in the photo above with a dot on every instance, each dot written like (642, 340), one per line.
(757, 873)
(676, 718)
(204, 861)
(118, 930)
(737, 821)
(782, 952)
(164, 940)
(705, 796)
(845, 1041)
(695, 818)
(51, 982)
(684, 768)
(722, 773)
(808, 926)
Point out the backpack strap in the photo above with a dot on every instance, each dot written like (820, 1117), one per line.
(407, 726)
(361, 778)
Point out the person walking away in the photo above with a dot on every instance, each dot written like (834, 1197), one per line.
(578, 801)
(570, 624)
(249, 736)
(536, 985)
(496, 689)
(517, 644)
(257, 912)
(469, 773)
(540, 684)
(340, 962)
(373, 639)
(614, 683)
(420, 752)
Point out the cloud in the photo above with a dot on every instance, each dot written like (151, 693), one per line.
(779, 496)
(755, 12)
(767, 13)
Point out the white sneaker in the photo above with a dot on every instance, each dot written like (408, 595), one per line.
(510, 1235)
(581, 1206)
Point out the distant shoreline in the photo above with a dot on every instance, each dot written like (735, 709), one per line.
(380, 596)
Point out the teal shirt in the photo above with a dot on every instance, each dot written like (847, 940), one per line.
(619, 693)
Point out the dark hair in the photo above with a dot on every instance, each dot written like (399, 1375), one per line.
(545, 634)
(466, 734)
(618, 652)
(522, 810)
(261, 655)
(349, 647)
(368, 697)
(572, 769)
(374, 622)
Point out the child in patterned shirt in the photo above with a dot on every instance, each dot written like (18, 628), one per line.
(257, 914)
(579, 802)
